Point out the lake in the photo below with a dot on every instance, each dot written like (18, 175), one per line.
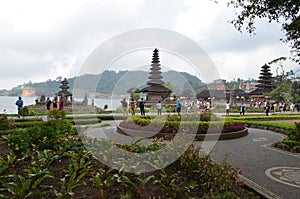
(7, 103)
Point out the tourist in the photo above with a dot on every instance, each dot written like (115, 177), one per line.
(207, 106)
(267, 108)
(54, 103)
(19, 103)
(142, 106)
(292, 106)
(242, 109)
(159, 107)
(61, 104)
(178, 106)
(227, 108)
(124, 106)
(189, 107)
(132, 106)
(48, 103)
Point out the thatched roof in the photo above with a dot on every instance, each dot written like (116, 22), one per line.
(217, 94)
(155, 89)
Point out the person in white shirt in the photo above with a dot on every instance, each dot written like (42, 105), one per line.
(227, 108)
(159, 107)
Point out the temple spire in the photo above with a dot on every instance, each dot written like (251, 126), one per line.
(155, 70)
(265, 81)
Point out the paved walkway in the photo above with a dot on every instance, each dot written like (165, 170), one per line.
(272, 169)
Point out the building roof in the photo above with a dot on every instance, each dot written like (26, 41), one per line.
(64, 93)
(218, 94)
(155, 89)
(257, 92)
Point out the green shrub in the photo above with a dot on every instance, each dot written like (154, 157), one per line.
(28, 120)
(263, 117)
(5, 123)
(19, 140)
(45, 135)
(27, 124)
(217, 178)
(86, 121)
(295, 135)
(291, 143)
(174, 121)
(56, 114)
(24, 111)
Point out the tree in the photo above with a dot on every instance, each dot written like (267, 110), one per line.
(169, 85)
(284, 12)
(283, 92)
(136, 96)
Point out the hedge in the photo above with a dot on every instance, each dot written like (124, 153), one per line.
(28, 119)
(140, 123)
(265, 118)
(27, 124)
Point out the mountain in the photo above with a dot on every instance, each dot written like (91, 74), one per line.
(108, 82)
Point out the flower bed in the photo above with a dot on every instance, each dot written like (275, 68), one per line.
(167, 127)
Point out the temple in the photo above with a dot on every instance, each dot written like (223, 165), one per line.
(64, 93)
(265, 80)
(265, 84)
(154, 89)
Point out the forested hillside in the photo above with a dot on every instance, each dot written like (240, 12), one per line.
(111, 82)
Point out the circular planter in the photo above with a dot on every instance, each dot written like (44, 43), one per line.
(198, 137)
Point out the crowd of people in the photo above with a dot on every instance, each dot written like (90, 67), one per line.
(199, 105)
(181, 106)
(60, 104)
(185, 106)
(50, 104)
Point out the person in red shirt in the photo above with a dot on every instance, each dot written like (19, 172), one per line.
(61, 104)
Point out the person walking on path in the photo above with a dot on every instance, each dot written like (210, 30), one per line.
(242, 109)
(124, 106)
(159, 107)
(132, 106)
(19, 103)
(267, 108)
(61, 104)
(227, 108)
(178, 106)
(142, 106)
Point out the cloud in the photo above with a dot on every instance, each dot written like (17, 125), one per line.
(41, 40)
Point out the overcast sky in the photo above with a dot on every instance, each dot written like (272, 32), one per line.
(41, 40)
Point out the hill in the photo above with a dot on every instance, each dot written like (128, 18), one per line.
(108, 82)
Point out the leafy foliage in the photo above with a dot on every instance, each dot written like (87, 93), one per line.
(5, 124)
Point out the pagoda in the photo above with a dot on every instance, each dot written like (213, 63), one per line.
(265, 82)
(64, 93)
(154, 89)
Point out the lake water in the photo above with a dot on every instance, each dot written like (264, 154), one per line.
(7, 103)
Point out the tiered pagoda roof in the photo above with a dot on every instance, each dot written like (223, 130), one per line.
(155, 70)
(265, 79)
(64, 89)
(155, 83)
